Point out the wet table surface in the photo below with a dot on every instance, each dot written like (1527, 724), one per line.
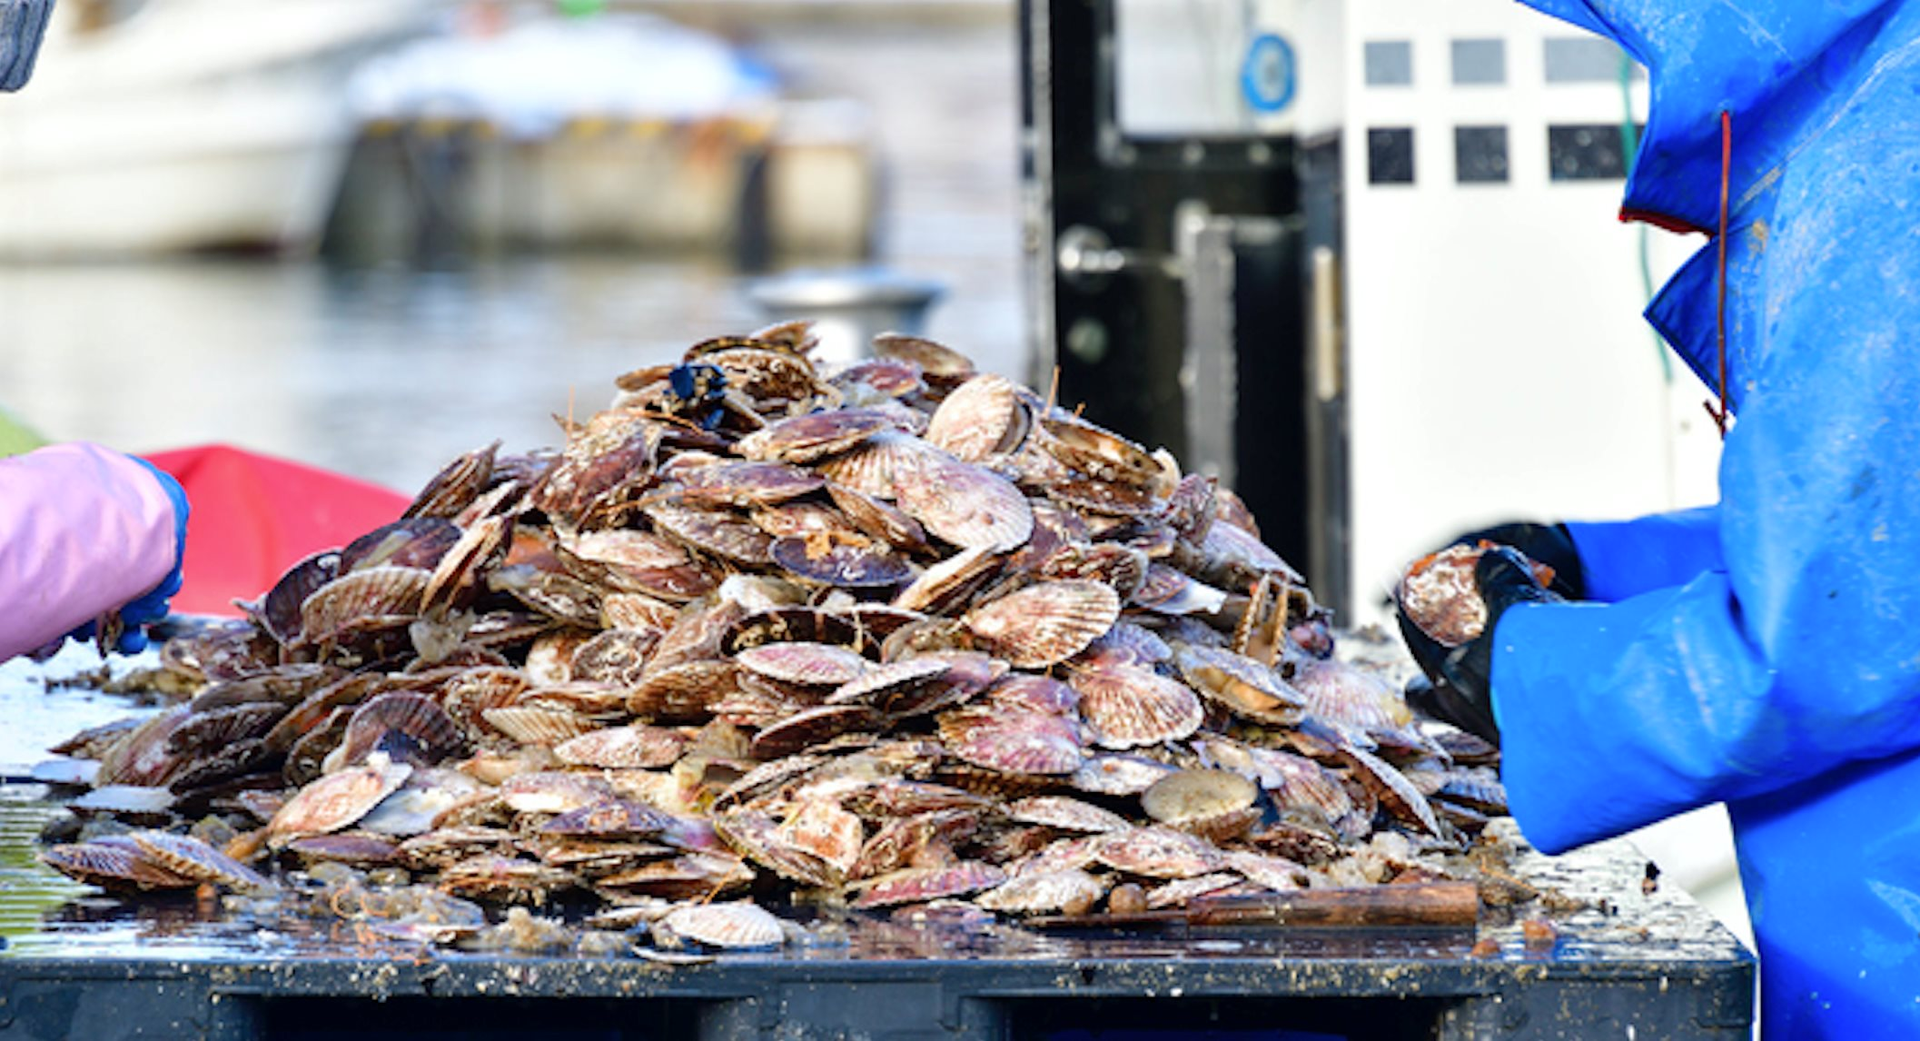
(56, 929)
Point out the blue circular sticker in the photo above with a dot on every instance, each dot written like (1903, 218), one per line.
(1267, 76)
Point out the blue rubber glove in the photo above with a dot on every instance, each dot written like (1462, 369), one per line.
(151, 606)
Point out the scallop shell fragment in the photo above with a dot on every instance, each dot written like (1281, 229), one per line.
(738, 926)
(1046, 623)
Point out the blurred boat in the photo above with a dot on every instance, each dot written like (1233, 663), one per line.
(187, 124)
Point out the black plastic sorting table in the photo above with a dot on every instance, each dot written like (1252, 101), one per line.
(78, 965)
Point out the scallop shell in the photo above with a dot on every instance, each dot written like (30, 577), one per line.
(1190, 509)
(1058, 811)
(1015, 742)
(1156, 852)
(1269, 872)
(806, 663)
(455, 577)
(756, 835)
(816, 435)
(1101, 497)
(430, 735)
(1191, 795)
(533, 725)
(1396, 794)
(963, 504)
(1128, 706)
(743, 484)
(1046, 623)
(934, 359)
(550, 659)
(871, 467)
(738, 926)
(683, 693)
(416, 542)
(189, 857)
(825, 830)
(611, 819)
(917, 885)
(474, 691)
(213, 728)
(947, 584)
(1241, 684)
(1182, 891)
(1069, 890)
(853, 563)
(636, 611)
(1236, 557)
(1126, 644)
(279, 611)
(337, 800)
(1023, 692)
(623, 748)
(376, 598)
(892, 679)
(879, 520)
(550, 791)
(357, 849)
(1122, 567)
(617, 656)
(901, 840)
(1118, 774)
(638, 562)
(140, 757)
(111, 866)
(1170, 592)
(1338, 692)
(1103, 455)
(810, 727)
(871, 380)
(723, 534)
(455, 487)
(979, 418)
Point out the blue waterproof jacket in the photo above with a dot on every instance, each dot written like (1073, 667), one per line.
(1765, 651)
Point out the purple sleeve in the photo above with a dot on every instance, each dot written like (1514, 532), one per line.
(83, 530)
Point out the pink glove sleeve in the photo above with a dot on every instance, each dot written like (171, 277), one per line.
(83, 530)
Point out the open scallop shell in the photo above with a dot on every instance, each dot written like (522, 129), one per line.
(891, 679)
(189, 857)
(936, 360)
(623, 748)
(1122, 567)
(1046, 623)
(879, 520)
(378, 597)
(1129, 706)
(426, 732)
(1241, 684)
(337, 800)
(1342, 693)
(741, 926)
(279, 611)
(112, 866)
(947, 584)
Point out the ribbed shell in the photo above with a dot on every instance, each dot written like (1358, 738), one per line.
(551, 791)
(1069, 890)
(1270, 872)
(879, 520)
(1122, 567)
(1178, 893)
(1156, 853)
(1025, 692)
(810, 727)
(534, 725)
(111, 866)
(1058, 811)
(189, 857)
(1242, 685)
(1015, 742)
(1337, 692)
(873, 379)
(733, 926)
(889, 679)
(871, 467)
(610, 819)
(934, 359)
(744, 484)
(854, 562)
(825, 830)
(1396, 794)
(374, 598)
(902, 839)
(713, 531)
(1046, 623)
(981, 417)
(431, 733)
(963, 504)
(140, 757)
(683, 693)
(802, 439)
(355, 848)
(337, 800)
(623, 748)
(280, 608)
(1118, 774)
(917, 885)
(948, 583)
(1103, 455)
(414, 542)
(213, 728)
(807, 663)
(1128, 706)
(636, 611)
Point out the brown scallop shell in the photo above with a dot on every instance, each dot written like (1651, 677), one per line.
(1129, 706)
(803, 662)
(636, 611)
(879, 520)
(1122, 567)
(213, 728)
(739, 926)
(1102, 497)
(430, 733)
(903, 840)
(810, 727)
(1241, 684)
(1015, 742)
(1118, 774)
(1067, 890)
(638, 562)
(616, 656)
(1339, 692)
(853, 563)
(1181, 892)
(474, 691)
(947, 584)
(337, 800)
(934, 359)
(1190, 510)
(917, 885)
(871, 380)
(816, 435)
(963, 504)
(683, 693)
(416, 542)
(552, 791)
(1103, 455)
(109, 866)
(1024, 692)
(1046, 623)
(189, 857)
(610, 819)
(872, 466)
(279, 611)
(743, 484)
(1235, 557)
(623, 748)
(720, 533)
(825, 830)
(355, 848)
(1058, 811)
(533, 725)
(455, 487)
(756, 836)
(979, 418)
(1156, 853)
(892, 679)
(140, 757)
(1396, 794)
(378, 597)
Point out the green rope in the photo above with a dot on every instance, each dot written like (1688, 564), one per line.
(1630, 142)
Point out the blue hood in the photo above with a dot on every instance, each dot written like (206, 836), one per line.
(1766, 61)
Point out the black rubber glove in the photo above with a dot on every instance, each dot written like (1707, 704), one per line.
(1462, 677)
(1550, 544)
